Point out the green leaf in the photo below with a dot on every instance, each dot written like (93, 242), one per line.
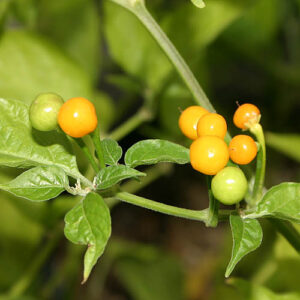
(281, 201)
(247, 236)
(251, 291)
(74, 25)
(112, 152)
(203, 26)
(38, 184)
(31, 65)
(123, 28)
(198, 3)
(110, 176)
(288, 144)
(20, 146)
(88, 223)
(149, 152)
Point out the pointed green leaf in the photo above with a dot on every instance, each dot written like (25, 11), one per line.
(21, 146)
(88, 223)
(149, 152)
(281, 201)
(110, 176)
(112, 152)
(247, 236)
(38, 184)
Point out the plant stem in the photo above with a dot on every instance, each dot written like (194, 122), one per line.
(213, 210)
(87, 153)
(132, 123)
(139, 9)
(133, 186)
(288, 231)
(84, 180)
(23, 283)
(97, 142)
(260, 165)
(200, 215)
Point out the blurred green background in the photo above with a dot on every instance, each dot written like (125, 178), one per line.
(239, 50)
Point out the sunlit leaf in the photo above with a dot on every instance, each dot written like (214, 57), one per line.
(38, 184)
(31, 65)
(21, 146)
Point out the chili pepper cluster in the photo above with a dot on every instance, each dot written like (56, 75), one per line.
(209, 153)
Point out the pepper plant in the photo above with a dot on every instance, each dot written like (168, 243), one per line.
(51, 168)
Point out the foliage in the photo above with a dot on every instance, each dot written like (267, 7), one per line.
(247, 236)
(81, 48)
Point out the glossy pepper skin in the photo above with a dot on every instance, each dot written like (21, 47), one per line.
(77, 117)
(188, 120)
(212, 124)
(229, 186)
(242, 149)
(209, 154)
(246, 115)
(44, 110)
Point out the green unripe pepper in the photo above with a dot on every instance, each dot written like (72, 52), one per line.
(229, 185)
(44, 110)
